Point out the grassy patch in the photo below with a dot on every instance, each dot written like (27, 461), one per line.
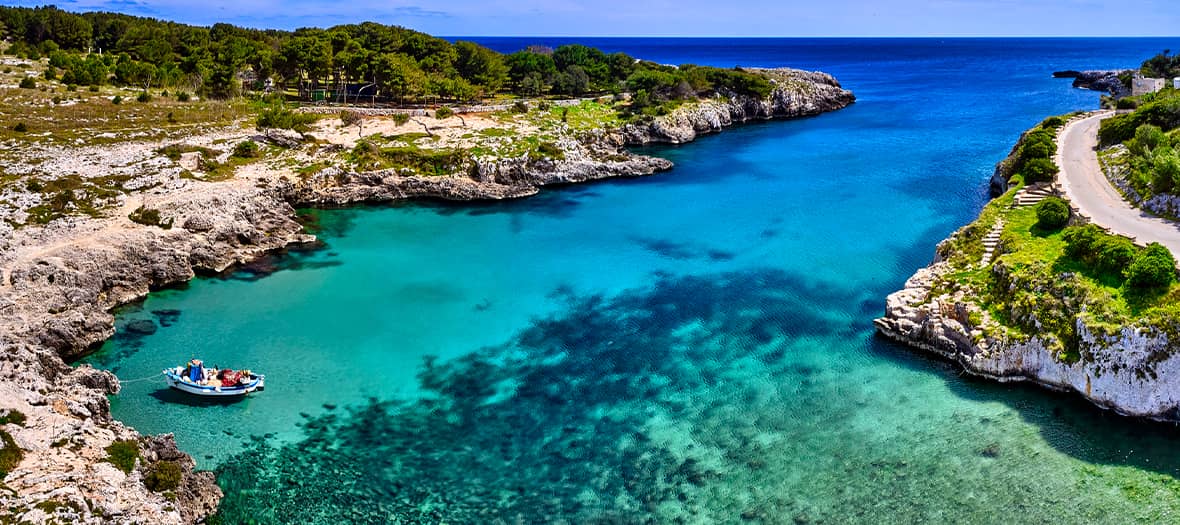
(149, 217)
(175, 151)
(73, 194)
(164, 476)
(91, 118)
(10, 454)
(13, 417)
(123, 454)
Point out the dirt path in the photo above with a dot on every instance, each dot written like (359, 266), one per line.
(1086, 186)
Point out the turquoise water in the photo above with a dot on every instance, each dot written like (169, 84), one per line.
(693, 347)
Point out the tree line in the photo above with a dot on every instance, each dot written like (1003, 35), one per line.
(399, 64)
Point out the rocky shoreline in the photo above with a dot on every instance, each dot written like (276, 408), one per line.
(59, 283)
(1104, 80)
(1131, 370)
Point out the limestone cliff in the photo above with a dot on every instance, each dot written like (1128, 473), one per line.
(795, 94)
(591, 156)
(57, 305)
(1133, 372)
(597, 156)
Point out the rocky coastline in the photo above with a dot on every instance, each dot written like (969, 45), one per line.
(1104, 80)
(59, 283)
(1131, 370)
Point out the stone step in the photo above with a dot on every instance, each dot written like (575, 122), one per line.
(990, 242)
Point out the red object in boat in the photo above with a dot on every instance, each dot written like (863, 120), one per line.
(231, 378)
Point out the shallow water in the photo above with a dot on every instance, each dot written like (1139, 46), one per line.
(691, 347)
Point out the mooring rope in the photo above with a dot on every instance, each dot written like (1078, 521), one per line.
(156, 375)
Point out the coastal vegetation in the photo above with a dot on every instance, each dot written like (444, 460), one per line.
(1048, 278)
(10, 452)
(123, 454)
(1163, 65)
(79, 80)
(354, 62)
(164, 476)
(1140, 152)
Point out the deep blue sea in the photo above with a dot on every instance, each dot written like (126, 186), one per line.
(692, 347)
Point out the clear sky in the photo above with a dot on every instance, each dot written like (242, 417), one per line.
(680, 17)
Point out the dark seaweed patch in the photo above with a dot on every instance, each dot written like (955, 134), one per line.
(552, 427)
(166, 317)
(682, 251)
(296, 257)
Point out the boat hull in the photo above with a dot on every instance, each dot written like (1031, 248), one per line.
(175, 381)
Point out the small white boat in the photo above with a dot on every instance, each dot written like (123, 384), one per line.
(246, 382)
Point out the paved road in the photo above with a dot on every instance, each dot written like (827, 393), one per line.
(1083, 182)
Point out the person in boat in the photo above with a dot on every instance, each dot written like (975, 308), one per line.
(195, 371)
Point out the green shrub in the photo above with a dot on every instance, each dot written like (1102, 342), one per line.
(56, 99)
(13, 417)
(443, 112)
(400, 118)
(72, 87)
(1039, 170)
(21, 127)
(144, 97)
(10, 454)
(1052, 213)
(547, 150)
(1163, 112)
(1082, 242)
(182, 97)
(149, 217)
(28, 83)
(117, 100)
(123, 454)
(1148, 137)
(520, 107)
(279, 116)
(1126, 103)
(1153, 267)
(1118, 129)
(1113, 254)
(50, 74)
(170, 118)
(1053, 122)
(247, 149)
(164, 476)
(1036, 150)
(92, 89)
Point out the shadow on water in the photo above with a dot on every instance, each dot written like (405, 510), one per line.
(1066, 421)
(556, 425)
(173, 396)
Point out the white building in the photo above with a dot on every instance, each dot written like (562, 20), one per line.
(1176, 83)
(1142, 85)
